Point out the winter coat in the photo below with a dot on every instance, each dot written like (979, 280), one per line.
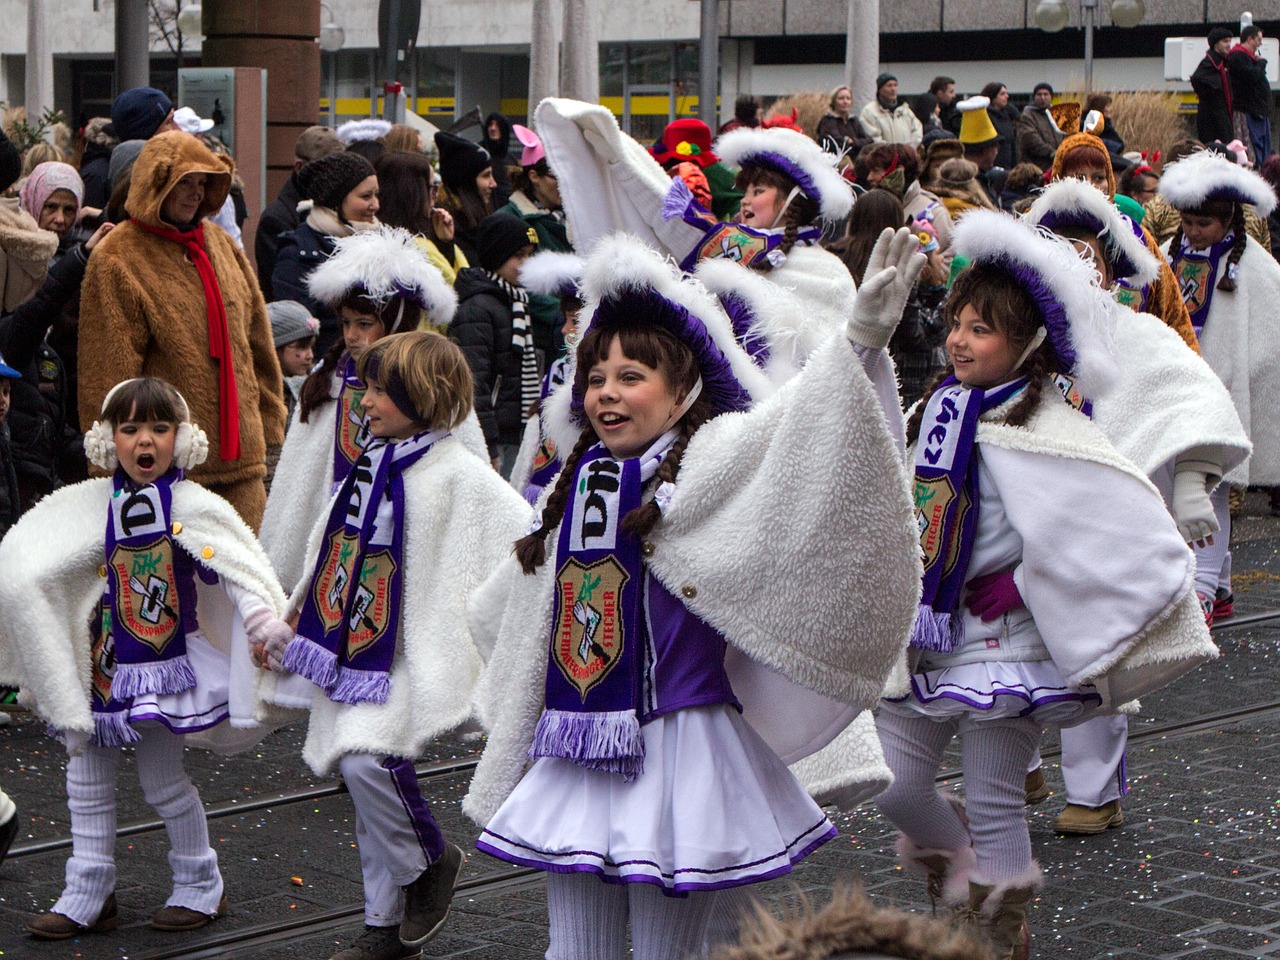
(1212, 85)
(10, 507)
(460, 521)
(300, 251)
(499, 152)
(482, 328)
(143, 313)
(552, 235)
(1006, 124)
(448, 265)
(281, 216)
(899, 125)
(38, 415)
(94, 171)
(25, 251)
(1038, 138)
(1250, 89)
(839, 134)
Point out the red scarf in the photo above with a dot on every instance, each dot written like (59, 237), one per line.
(1220, 64)
(219, 335)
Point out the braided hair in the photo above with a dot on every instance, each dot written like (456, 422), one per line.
(660, 350)
(801, 212)
(1221, 210)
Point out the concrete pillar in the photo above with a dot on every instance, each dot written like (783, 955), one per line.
(279, 35)
(39, 76)
(544, 54)
(862, 50)
(580, 71)
(133, 54)
(709, 64)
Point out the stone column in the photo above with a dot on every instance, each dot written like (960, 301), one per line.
(709, 65)
(862, 50)
(544, 54)
(39, 77)
(580, 71)
(133, 53)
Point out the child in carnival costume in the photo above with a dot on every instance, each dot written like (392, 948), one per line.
(635, 637)
(1024, 508)
(1170, 414)
(176, 594)
(1231, 285)
(379, 282)
(418, 522)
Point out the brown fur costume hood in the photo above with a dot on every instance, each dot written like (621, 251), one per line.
(143, 314)
(852, 926)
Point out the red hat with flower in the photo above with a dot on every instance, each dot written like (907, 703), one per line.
(685, 139)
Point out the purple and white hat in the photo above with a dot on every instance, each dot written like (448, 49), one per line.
(1205, 176)
(384, 263)
(1076, 203)
(793, 155)
(553, 274)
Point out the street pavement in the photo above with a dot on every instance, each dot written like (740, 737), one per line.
(1194, 871)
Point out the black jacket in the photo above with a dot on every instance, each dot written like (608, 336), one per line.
(9, 509)
(1213, 119)
(301, 250)
(482, 328)
(94, 171)
(499, 152)
(1006, 124)
(1250, 91)
(281, 216)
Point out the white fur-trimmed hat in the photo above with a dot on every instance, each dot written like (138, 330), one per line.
(793, 155)
(1075, 310)
(383, 263)
(370, 128)
(1205, 176)
(1072, 203)
(553, 274)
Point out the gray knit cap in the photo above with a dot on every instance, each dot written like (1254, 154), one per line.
(122, 157)
(290, 322)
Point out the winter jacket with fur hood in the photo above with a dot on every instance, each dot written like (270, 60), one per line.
(25, 250)
(143, 313)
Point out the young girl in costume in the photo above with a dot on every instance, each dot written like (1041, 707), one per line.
(1168, 413)
(1056, 584)
(378, 282)
(641, 658)
(160, 667)
(1231, 285)
(416, 524)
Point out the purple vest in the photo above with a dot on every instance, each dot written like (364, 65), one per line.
(684, 657)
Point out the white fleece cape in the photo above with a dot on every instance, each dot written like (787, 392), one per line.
(52, 583)
(790, 531)
(303, 484)
(462, 519)
(1104, 570)
(1167, 401)
(1241, 342)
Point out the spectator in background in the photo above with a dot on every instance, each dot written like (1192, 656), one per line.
(688, 140)
(839, 131)
(1004, 117)
(1038, 135)
(402, 138)
(466, 170)
(497, 143)
(1271, 173)
(944, 88)
(929, 112)
(982, 145)
(141, 113)
(1139, 182)
(99, 141)
(747, 112)
(1212, 83)
(1109, 136)
(886, 119)
(1019, 187)
(282, 214)
(1251, 99)
(407, 189)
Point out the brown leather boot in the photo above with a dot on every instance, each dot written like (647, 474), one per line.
(57, 926)
(946, 872)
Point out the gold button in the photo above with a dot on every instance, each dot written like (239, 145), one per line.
(689, 591)
(646, 549)
(177, 527)
(207, 553)
(102, 571)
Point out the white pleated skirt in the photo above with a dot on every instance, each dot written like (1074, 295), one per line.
(714, 808)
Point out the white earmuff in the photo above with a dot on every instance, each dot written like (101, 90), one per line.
(190, 445)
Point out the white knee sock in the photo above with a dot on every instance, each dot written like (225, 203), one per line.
(668, 928)
(913, 749)
(91, 799)
(588, 918)
(995, 756)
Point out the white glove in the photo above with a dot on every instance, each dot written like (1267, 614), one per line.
(77, 742)
(891, 274)
(1192, 508)
(268, 637)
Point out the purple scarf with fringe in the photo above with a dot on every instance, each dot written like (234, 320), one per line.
(350, 618)
(596, 648)
(145, 590)
(1197, 273)
(351, 430)
(546, 461)
(946, 499)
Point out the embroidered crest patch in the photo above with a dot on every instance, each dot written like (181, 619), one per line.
(371, 605)
(1127, 297)
(146, 591)
(353, 429)
(932, 497)
(103, 656)
(1193, 283)
(329, 589)
(589, 634)
(545, 455)
(730, 243)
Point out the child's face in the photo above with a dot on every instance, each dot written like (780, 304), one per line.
(145, 448)
(761, 205)
(4, 398)
(628, 402)
(982, 355)
(296, 358)
(510, 269)
(386, 419)
(360, 331)
(1203, 231)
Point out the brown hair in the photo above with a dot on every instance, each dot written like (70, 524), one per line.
(801, 212)
(872, 213)
(1005, 304)
(433, 371)
(146, 398)
(659, 349)
(402, 138)
(1097, 101)
(1227, 211)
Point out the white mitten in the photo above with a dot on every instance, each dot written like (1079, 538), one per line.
(891, 274)
(268, 637)
(77, 742)
(1192, 508)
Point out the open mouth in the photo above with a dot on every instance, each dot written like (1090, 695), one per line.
(146, 461)
(612, 419)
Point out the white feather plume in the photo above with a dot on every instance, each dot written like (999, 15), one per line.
(1074, 196)
(1205, 176)
(370, 128)
(385, 263)
(835, 196)
(549, 272)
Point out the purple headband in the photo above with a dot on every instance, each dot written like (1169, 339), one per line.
(394, 387)
(780, 164)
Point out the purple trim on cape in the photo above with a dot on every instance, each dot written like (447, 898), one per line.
(743, 319)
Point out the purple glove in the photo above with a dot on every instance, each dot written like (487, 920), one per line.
(993, 595)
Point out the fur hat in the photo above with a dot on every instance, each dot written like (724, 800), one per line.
(500, 237)
(1074, 203)
(1074, 309)
(328, 180)
(1206, 176)
(553, 274)
(290, 322)
(461, 161)
(937, 153)
(1076, 145)
(370, 128)
(383, 263)
(796, 156)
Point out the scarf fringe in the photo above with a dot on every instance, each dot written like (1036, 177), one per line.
(677, 199)
(309, 659)
(164, 676)
(609, 741)
(361, 686)
(114, 729)
(939, 632)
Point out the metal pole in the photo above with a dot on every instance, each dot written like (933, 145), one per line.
(1088, 9)
(392, 97)
(133, 58)
(709, 64)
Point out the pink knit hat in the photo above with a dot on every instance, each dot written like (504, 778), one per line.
(44, 180)
(533, 151)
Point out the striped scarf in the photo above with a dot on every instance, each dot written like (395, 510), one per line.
(522, 340)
